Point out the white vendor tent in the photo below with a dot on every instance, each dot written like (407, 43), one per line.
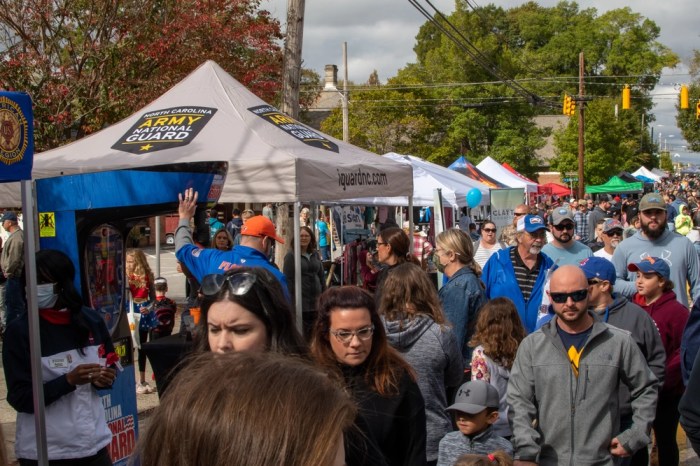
(211, 117)
(499, 173)
(427, 177)
(645, 172)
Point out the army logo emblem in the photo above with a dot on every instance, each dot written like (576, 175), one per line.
(14, 136)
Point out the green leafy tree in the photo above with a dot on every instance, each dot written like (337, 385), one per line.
(665, 162)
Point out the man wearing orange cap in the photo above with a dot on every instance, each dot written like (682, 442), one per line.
(257, 237)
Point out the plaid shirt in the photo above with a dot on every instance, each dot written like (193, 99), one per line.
(581, 230)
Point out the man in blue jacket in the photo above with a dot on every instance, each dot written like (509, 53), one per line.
(520, 272)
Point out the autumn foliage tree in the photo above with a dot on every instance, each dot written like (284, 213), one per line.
(89, 64)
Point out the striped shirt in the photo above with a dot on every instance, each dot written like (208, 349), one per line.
(525, 277)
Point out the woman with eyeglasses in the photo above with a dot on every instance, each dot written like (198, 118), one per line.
(245, 310)
(463, 294)
(350, 342)
(487, 244)
(77, 359)
(417, 328)
(312, 276)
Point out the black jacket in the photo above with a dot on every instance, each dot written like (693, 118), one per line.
(689, 407)
(312, 279)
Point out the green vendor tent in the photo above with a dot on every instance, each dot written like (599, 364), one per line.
(615, 185)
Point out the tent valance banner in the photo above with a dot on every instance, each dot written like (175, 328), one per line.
(16, 136)
(211, 117)
(616, 185)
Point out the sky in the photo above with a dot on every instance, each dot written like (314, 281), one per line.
(381, 36)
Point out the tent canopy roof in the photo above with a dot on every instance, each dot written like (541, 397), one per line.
(211, 117)
(499, 172)
(616, 185)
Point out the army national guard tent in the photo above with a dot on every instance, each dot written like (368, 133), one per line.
(211, 117)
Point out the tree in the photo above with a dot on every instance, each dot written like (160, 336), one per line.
(89, 64)
(665, 162)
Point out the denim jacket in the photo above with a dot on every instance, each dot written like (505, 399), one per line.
(462, 297)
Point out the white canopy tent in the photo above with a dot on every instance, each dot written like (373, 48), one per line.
(645, 172)
(498, 172)
(210, 117)
(427, 177)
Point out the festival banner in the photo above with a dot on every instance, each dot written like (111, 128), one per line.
(503, 203)
(16, 136)
(292, 127)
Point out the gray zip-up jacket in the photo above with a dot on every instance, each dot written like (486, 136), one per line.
(577, 417)
(433, 353)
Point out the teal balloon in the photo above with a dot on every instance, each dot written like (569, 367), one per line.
(473, 198)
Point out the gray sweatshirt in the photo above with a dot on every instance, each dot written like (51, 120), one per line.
(675, 249)
(456, 444)
(433, 353)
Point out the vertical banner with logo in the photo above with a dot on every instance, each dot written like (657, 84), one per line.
(503, 203)
(16, 136)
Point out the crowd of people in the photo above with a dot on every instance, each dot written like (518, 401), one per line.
(571, 338)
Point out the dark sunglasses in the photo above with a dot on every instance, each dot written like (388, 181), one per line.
(568, 226)
(614, 233)
(576, 296)
(239, 284)
(489, 230)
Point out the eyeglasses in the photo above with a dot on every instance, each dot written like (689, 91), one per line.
(567, 226)
(518, 214)
(593, 281)
(488, 230)
(614, 233)
(346, 336)
(381, 244)
(576, 296)
(239, 284)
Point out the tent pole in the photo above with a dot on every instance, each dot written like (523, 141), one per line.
(297, 268)
(30, 241)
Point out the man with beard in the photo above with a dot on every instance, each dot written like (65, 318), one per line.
(654, 240)
(520, 272)
(564, 249)
(563, 387)
(612, 235)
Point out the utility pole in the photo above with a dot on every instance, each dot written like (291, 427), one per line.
(346, 122)
(292, 57)
(581, 113)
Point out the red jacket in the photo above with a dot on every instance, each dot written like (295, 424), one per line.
(670, 317)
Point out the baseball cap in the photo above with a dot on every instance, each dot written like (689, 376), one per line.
(597, 267)
(652, 265)
(474, 397)
(561, 214)
(612, 224)
(530, 223)
(9, 215)
(652, 201)
(260, 226)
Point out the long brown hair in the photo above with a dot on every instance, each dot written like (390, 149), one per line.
(499, 331)
(400, 244)
(248, 409)
(384, 366)
(409, 284)
(497, 458)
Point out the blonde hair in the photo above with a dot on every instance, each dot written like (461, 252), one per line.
(461, 244)
(247, 409)
(140, 275)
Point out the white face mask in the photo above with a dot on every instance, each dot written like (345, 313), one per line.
(46, 298)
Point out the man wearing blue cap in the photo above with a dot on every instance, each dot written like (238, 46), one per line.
(520, 272)
(655, 240)
(12, 264)
(564, 249)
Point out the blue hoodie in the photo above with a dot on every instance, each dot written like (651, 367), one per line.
(500, 281)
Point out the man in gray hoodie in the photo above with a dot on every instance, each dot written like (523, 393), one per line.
(563, 388)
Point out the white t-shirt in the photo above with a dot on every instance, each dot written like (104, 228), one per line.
(602, 253)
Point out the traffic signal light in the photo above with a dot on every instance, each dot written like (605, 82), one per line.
(626, 98)
(684, 96)
(697, 111)
(569, 105)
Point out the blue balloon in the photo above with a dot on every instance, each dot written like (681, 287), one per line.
(473, 197)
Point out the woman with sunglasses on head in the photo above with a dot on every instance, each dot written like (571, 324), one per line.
(77, 359)
(312, 276)
(463, 294)
(349, 341)
(245, 310)
(416, 327)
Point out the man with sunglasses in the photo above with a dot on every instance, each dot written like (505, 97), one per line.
(257, 237)
(655, 240)
(508, 231)
(611, 236)
(566, 378)
(564, 249)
